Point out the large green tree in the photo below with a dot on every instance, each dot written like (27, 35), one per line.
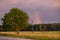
(15, 19)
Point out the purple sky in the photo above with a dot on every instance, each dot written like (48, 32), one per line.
(40, 11)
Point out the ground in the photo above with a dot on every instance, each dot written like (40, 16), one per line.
(9, 38)
(38, 35)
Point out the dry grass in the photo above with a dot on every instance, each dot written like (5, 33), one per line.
(43, 34)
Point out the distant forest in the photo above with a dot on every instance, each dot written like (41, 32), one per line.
(45, 27)
(38, 27)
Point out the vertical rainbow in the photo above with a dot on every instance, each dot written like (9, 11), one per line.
(37, 18)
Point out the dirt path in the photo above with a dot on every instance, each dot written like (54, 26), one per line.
(9, 38)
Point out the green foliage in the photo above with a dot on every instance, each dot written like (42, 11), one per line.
(15, 19)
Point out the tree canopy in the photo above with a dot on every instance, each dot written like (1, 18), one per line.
(15, 19)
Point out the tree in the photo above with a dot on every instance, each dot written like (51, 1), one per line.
(16, 19)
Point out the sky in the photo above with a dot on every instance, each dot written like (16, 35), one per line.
(39, 11)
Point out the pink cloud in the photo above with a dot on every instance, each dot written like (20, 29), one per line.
(25, 3)
(56, 3)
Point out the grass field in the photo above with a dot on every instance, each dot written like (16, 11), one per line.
(35, 35)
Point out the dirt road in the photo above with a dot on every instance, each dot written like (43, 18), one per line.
(9, 38)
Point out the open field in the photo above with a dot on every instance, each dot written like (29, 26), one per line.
(35, 35)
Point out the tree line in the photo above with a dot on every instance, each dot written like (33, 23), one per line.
(45, 27)
(37, 27)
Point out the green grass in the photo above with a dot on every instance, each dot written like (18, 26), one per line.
(34, 36)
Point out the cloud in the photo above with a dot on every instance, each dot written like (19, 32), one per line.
(45, 8)
(25, 3)
(56, 4)
(13, 1)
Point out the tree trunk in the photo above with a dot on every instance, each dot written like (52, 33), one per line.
(32, 29)
(17, 30)
(40, 27)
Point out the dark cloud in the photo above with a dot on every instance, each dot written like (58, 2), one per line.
(45, 8)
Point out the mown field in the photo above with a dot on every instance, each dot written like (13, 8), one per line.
(45, 35)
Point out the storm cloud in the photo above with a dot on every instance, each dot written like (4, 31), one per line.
(47, 9)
